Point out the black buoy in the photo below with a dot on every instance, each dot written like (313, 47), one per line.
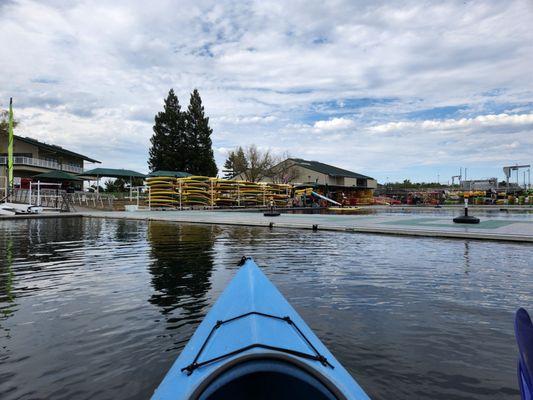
(315, 228)
(466, 219)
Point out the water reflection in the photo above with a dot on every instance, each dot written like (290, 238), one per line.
(115, 301)
(181, 267)
(466, 257)
(6, 277)
(126, 230)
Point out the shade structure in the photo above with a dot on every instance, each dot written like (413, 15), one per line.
(111, 173)
(98, 173)
(56, 176)
(170, 174)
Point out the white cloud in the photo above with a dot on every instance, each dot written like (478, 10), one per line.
(463, 123)
(244, 120)
(90, 75)
(334, 124)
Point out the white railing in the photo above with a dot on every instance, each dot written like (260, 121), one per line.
(72, 168)
(93, 199)
(37, 162)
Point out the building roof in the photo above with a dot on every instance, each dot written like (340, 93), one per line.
(112, 173)
(57, 176)
(327, 169)
(175, 174)
(53, 148)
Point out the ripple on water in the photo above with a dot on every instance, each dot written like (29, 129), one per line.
(94, 308)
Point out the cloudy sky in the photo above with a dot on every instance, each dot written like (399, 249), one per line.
(394, 90)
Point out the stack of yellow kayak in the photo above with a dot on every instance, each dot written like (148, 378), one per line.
(223, 192)
(194, 190)
(301, 192)
(279, 193)
(162, 193)
(204, 191)
(249, 193)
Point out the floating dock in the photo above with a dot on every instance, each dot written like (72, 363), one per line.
(500, 229)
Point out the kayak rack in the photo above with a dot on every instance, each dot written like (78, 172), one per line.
(316, 357)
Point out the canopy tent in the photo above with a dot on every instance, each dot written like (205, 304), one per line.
(165, 173)
(57, 176)
(110, 173)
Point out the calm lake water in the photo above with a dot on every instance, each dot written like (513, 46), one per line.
(100, 309)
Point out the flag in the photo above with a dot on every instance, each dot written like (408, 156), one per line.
(10, 146)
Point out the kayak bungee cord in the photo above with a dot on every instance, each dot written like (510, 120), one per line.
(316, 357)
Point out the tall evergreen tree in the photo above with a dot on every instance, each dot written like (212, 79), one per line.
(169, 150)
(202, 160)
(236, 163)
(229, 166)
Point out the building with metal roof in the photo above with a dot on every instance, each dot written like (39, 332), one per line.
(31, 157)
(305, 172)
(328, 173)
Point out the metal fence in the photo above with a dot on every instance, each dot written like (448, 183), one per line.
(91, 199)
(58, 199)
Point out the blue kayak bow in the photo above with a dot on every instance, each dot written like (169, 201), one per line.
(253, 345)
(524, 339)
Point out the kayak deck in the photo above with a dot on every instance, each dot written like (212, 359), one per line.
(252, 325)
(316, 356)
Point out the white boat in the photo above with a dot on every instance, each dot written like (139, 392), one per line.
(15, 208)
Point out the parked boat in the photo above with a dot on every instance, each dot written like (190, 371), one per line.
(8, 209)
(253, 345)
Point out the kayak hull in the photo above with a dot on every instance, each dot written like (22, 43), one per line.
(253, 323)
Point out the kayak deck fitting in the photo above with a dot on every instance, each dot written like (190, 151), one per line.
(253, 345)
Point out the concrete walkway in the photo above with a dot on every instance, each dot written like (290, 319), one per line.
(517, 230)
